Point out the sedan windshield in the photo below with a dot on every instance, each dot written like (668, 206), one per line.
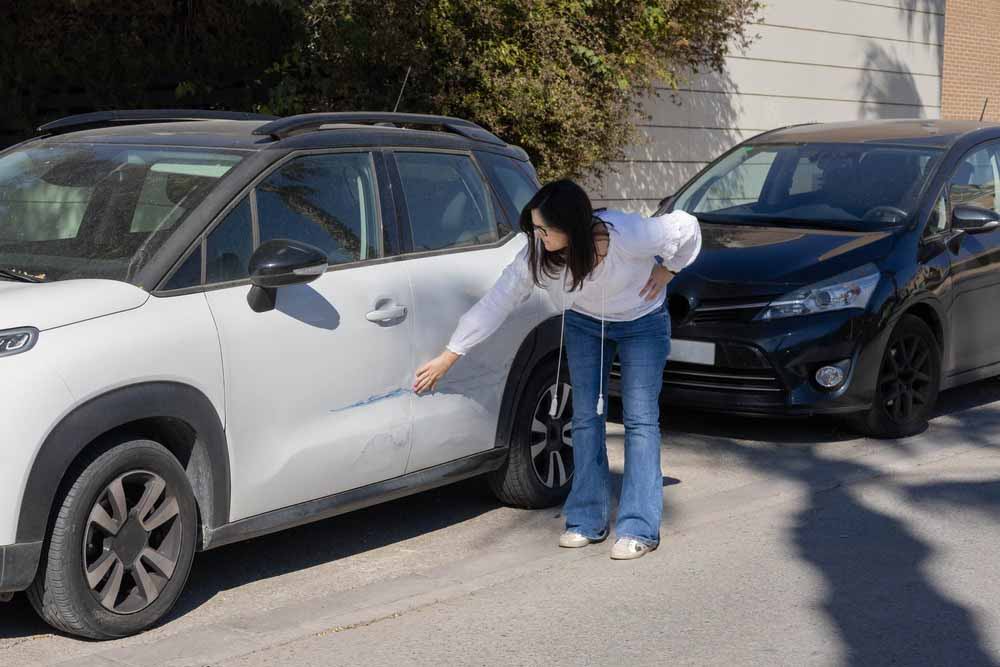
(97, 211)
(855, 186)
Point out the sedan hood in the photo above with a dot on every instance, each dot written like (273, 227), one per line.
(783, 256)
(56, 304)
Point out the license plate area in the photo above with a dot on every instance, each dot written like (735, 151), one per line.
(692, 352)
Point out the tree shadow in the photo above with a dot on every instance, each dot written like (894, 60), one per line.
(879, 598)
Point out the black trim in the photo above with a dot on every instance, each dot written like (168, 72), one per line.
(18, 565)
(139, 116)
(310, 122)
(348, 501)
(112, 410)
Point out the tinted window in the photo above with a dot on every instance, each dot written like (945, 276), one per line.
(446, 200)
(189, 273)
(848, 185)
(229, 246)
(974, 182)
(513, 184)
(324, 200)
(938, 221)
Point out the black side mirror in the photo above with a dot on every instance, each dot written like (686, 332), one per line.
(280, 263)
(974, 220)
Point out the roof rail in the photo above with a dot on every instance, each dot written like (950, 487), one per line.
(138, 116)
(308, 122)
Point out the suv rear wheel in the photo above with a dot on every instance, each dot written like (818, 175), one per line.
(539, 469)
(121, 544)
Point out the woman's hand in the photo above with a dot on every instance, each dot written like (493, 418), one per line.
(435, 369)
(658, 279)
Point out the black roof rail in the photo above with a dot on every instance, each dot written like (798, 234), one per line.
(308, 122)
(138, 116)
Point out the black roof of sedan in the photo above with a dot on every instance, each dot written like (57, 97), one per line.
(925, 132)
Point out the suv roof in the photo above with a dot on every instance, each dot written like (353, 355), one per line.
(938, 133)
(305, 131)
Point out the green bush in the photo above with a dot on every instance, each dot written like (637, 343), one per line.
(558, 77)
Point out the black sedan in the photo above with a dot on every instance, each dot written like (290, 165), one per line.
(847, 269)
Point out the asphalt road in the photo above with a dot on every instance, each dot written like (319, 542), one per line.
(784, 542)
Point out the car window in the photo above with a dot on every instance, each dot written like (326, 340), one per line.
(327, 201)
(740, 186)
(939, 221)
(974, 182)
(229, 246)
(188, 274)
(446, 200)
(514, 185)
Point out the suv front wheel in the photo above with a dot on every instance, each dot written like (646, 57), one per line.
(121, 544)
(539, 468)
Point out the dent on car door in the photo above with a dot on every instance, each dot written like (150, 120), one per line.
(316, 387)
(975, 327)
(455, 259)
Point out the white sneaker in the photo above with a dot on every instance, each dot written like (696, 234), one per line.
(627, 548)
(571, 539)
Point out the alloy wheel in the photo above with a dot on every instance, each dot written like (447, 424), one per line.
(905, 381)
(552, 438)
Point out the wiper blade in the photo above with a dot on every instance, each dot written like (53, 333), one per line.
(20, 277)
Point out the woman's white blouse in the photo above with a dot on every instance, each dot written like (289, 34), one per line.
(611, 291)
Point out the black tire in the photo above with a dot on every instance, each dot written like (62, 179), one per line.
(908, 383)
(541, 480)
(132, 470)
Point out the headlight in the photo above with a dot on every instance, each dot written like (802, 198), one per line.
(16, 341)
(848, 290)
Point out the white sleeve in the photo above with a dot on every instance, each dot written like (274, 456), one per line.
(512, 288)
(676, 236)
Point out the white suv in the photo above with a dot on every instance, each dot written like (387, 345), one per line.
(209, 327)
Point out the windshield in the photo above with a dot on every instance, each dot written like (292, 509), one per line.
(857, 186)
(97, 211)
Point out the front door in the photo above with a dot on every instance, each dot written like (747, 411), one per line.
(975, 327)
(317, 389)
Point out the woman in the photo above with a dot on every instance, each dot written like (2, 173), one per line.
(597, 269)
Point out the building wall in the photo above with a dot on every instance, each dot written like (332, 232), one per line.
(971, 71)
(815, 60)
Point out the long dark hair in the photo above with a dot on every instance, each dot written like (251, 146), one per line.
(564, 206)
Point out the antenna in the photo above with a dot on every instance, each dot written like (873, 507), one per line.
(983, 113)
(402, 88)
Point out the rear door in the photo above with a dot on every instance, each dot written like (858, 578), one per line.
(975, 262)
(454, 255)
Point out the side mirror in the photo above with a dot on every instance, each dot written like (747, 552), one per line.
(280, 263)
(974, 220)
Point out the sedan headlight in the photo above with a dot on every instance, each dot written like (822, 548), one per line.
(848, 290)
(16, 341)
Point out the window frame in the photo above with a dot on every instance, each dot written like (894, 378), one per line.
(406, 251)
(382, 191)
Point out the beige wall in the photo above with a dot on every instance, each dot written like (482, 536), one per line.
(815, 60)
(971, 71)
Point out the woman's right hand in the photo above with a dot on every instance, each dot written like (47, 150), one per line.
(435, 369)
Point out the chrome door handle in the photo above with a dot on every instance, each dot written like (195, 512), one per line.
(387, 314)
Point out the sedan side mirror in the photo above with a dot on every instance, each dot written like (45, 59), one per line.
(280, 263)
(974, 220)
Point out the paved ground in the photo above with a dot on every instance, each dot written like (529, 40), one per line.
(783, 543)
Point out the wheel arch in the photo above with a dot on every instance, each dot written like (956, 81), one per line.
(176, 415)
(538, 346)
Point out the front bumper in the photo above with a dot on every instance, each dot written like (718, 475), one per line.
(18, 565)
(767, 368)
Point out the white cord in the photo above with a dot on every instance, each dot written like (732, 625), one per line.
(553, 408)
(600, 396)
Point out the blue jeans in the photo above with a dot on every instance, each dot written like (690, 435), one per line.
(642, 346)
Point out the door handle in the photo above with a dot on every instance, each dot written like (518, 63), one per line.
(387, 313)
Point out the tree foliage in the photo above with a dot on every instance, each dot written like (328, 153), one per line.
(562, 78)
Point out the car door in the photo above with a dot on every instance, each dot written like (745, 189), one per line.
(316, 389)
(455, 257)
(975, 264)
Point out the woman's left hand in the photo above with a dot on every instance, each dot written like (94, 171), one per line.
(658, 279)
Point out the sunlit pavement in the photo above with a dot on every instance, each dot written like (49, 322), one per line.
(784, 542)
